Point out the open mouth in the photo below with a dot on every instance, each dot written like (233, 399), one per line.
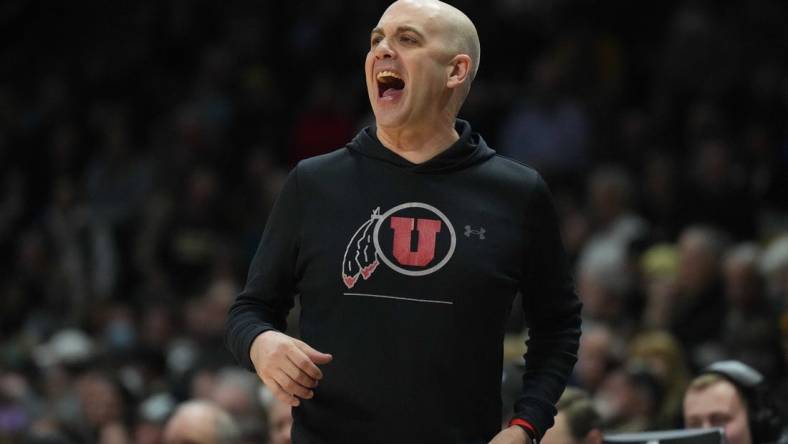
(389, 84)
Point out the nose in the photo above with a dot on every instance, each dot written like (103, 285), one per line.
(382, 50)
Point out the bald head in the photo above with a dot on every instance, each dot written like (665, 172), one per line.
(201, 422)
(423, 57)
(458, 30)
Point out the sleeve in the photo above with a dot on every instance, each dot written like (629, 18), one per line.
(552, 314)
(271, 284)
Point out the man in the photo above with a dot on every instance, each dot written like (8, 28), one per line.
(577, 421)
(407, 248)
(698, 308)
(201, 422)
(731, 395)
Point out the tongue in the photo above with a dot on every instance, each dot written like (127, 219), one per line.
(392, 92)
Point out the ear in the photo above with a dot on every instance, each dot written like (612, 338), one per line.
(460, 71)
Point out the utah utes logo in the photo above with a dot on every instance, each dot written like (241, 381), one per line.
(414, 239)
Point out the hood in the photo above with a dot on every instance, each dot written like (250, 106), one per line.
(468, 150)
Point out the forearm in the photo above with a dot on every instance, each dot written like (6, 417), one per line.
(552, 353)
(247, 318)
(271, 283)
(552, 310)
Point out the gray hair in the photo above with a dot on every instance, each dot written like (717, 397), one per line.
(236, 377)
(713, 240)
(227, 430)
(775, 258)
(746, 253)
(605, 262)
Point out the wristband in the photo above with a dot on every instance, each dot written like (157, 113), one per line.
(525, 425)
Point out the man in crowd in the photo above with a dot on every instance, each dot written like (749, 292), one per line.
(732, 395)
(577, 421)
(201, 422)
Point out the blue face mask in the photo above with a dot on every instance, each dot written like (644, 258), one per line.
(120, 335)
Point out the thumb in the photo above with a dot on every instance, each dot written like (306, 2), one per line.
(314, 355)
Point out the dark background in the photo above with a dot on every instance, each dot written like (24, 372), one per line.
(142, 144)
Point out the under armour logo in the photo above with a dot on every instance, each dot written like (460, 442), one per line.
(480, 232)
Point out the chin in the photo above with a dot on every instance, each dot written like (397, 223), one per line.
(389, 119)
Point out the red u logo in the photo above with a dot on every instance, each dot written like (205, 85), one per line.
(403, 229)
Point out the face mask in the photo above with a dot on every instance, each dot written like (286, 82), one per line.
(120, 335)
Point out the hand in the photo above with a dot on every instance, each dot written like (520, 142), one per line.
(511, 435)
(287, 366)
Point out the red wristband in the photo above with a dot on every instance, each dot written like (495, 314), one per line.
(525, 424)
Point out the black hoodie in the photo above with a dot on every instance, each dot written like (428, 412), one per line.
(406, 274)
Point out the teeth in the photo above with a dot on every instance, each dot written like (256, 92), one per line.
(388, 74)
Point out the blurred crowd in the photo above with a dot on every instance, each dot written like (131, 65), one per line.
(142, 145)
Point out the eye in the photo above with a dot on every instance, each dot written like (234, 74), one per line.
(719, 420)
(375, 40)
(404, 38)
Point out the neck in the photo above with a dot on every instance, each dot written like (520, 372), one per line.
(419, 145)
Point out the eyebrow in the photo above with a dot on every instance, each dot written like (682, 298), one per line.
(400, 29)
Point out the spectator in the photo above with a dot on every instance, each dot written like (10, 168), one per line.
(201, 422)
(610, 196)
(774, 265)
(750, 332)
(600, 351)
(577, 421)
(662, 355)
(629, 399)
(153, 414)
(104, 407)
(698, 306)
(604, 285)
(660, 200)
(659, 269)
(731, 395)
(236, 391)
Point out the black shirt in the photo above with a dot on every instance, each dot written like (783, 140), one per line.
(407, 273)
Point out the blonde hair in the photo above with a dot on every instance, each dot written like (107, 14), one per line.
(661, 345)
(705, 381)
(578, 408)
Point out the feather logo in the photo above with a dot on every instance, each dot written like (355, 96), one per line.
(361, 257)
(396, 229)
